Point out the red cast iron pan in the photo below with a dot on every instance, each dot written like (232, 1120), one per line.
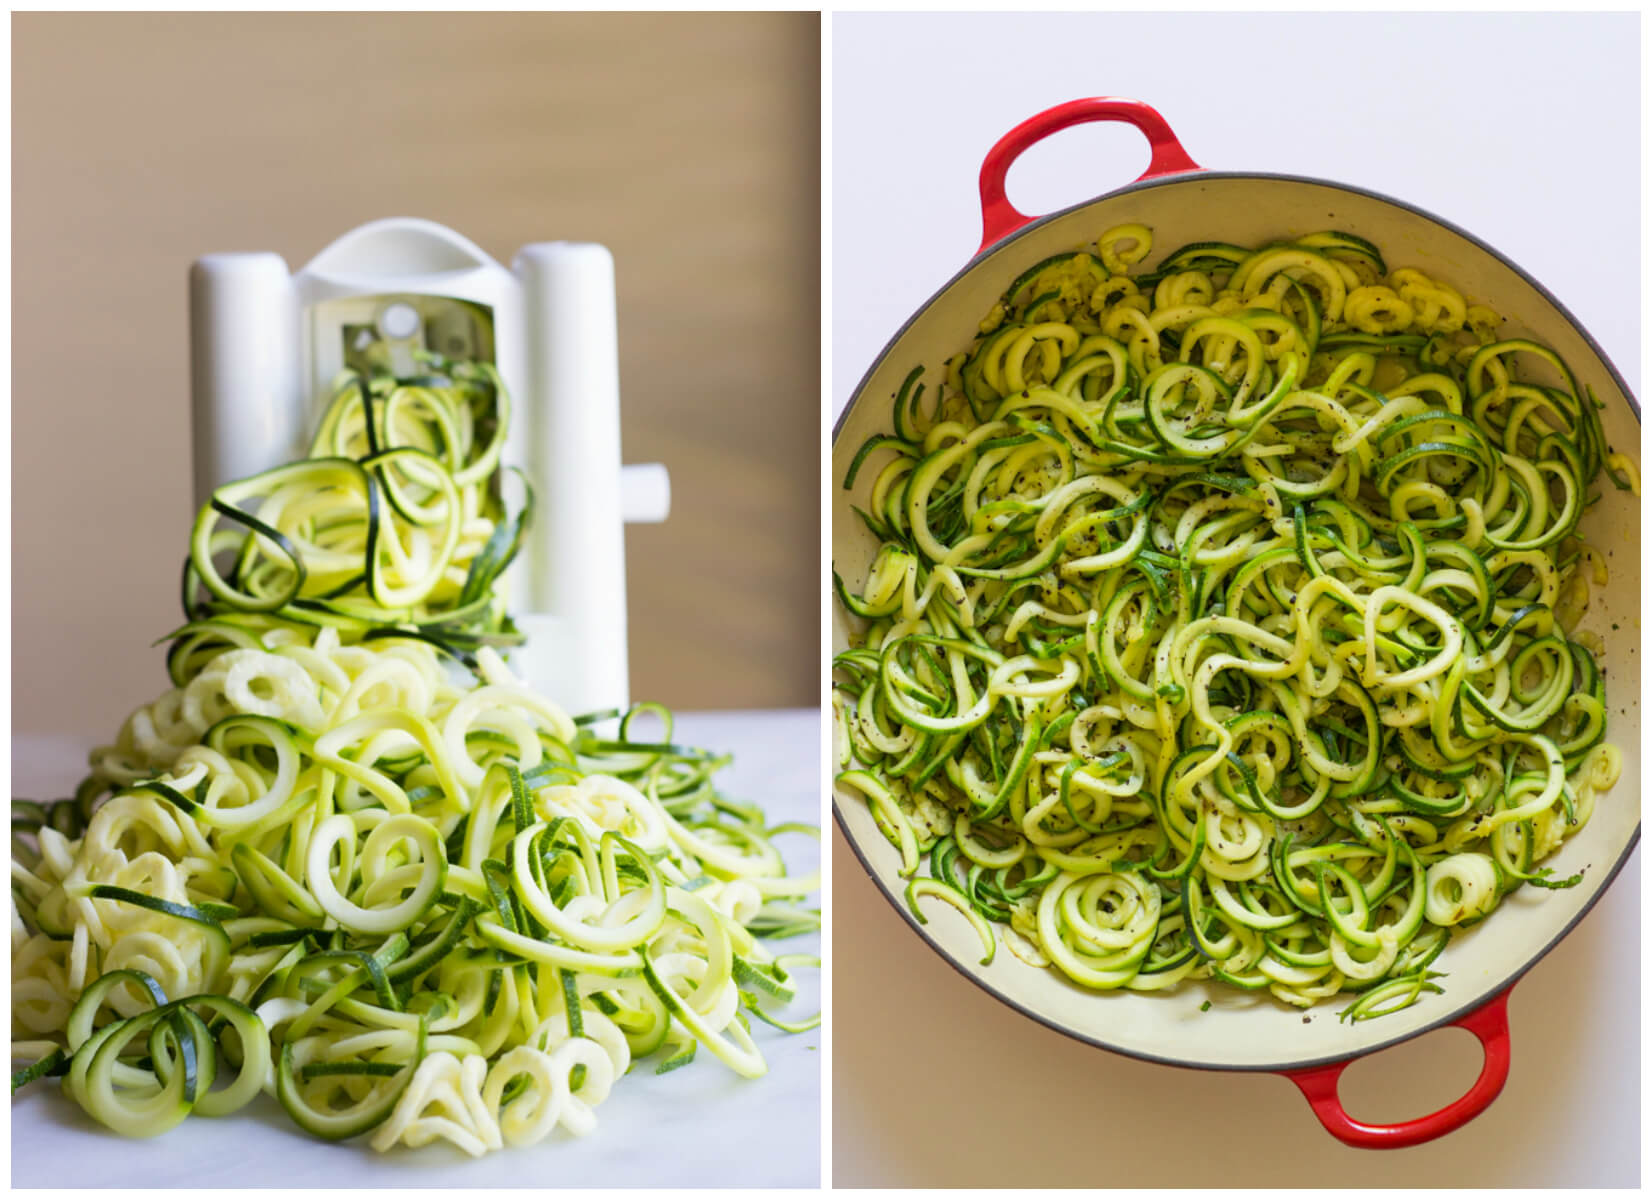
(1182, 202)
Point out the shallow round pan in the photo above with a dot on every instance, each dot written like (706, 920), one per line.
(1182, 203)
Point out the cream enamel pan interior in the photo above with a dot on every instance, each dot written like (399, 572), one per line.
(1243, 1031)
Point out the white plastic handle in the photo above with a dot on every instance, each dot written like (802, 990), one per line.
(645, 493)
(247, 401)
(576, 542)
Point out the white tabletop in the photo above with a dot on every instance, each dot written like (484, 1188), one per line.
(700, 1126)
(934, 1082)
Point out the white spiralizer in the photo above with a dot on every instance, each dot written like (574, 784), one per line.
(266, 345)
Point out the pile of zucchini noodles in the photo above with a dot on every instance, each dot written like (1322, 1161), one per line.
(350, 860)
(1224, 621)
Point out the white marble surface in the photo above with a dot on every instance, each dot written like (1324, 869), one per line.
(1382, 101)
(700, 1126)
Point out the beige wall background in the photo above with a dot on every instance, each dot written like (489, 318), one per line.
(687, 143)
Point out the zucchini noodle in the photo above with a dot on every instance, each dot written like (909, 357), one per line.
(1223, 621)
(350, 861)
(395, 519)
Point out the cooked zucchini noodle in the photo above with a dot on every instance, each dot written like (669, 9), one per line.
(331, 865)
(1224, 621)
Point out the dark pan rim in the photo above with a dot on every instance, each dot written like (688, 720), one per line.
(1486, 993)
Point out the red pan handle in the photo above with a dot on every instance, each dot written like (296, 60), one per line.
(1000, 218)
(1489, 1023)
